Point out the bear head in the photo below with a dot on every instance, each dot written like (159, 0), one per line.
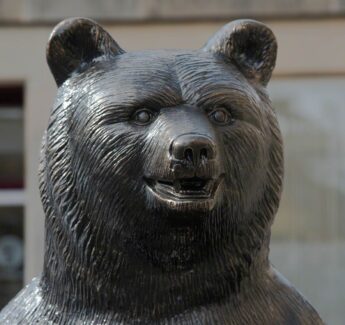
(166, 161)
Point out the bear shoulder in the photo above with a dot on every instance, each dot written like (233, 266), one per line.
(20, 309)
(289, 302)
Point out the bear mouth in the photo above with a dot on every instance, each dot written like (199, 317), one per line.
(194, 188)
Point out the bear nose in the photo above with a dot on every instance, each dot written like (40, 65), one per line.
(193, 147)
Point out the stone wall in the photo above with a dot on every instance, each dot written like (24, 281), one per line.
(50, 11)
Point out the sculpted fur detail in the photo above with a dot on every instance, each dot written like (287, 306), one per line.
(160, 177)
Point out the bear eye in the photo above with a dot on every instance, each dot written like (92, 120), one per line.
(143, 116)
(220, 116)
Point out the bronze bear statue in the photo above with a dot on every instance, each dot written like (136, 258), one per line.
(160, 177)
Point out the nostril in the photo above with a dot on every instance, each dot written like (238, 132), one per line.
(188, 155)
(203, 153)
(193, 148)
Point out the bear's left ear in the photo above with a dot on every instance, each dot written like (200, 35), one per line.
(250, 45)
(74, 43)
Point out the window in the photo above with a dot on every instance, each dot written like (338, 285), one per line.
(11, 191)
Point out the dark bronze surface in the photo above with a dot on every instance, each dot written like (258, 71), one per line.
(160, 177)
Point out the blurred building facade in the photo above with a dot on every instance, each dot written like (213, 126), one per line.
(307, 89)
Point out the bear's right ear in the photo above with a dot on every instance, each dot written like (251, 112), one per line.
(250, 45)
(76, 42)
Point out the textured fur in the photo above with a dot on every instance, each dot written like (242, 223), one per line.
(116, 253)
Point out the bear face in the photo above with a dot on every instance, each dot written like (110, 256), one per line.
(158, 168)
(168, 152)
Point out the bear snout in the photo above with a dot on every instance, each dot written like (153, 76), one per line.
(193, 147)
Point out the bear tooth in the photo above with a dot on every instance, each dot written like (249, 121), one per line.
(177, 186)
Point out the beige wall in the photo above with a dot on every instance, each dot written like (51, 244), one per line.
(305, 48)
(35, 11)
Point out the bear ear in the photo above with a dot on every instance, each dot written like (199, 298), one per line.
(76, 42)
(250, 45)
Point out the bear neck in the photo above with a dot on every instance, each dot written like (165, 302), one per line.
(135, 289)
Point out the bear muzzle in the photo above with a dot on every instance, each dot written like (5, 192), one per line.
(194, 170)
